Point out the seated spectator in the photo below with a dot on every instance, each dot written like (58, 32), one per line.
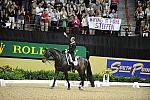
(113, 14)
(105, 13)
(146, 31)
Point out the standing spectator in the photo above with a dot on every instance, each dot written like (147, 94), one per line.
(44, 21)
(3, 21)
(139, 18)
(63, 18)
(92, 31)
(39, 11)
(11, 14)
(147, 11)
(50, 12)
(34, 5)
(76, 25)
(55, 18)
(84, 24)
(20, 18)
(114, 4)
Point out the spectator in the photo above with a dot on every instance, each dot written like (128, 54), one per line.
(139, 18)
(55, 18)
(76, 25)
(146, 31)
(114, 4)
(39, 11)
(105, 13)
(147, 11)
(34, 5)
(92, 31)
(50, 13)
(4, 20)
(84, 24)
(11, 14)
(44, 21)
(113, 14)
(63, 18)
(20, 18)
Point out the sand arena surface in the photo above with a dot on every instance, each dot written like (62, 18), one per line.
(43, 92)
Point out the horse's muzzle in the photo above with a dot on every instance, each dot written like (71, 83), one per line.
(43, 60)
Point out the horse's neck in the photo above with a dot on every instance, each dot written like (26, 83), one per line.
(56, 55)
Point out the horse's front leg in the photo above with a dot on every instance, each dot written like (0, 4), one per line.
(55, 78)
(66, 77)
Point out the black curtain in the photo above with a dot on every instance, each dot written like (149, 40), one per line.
(124, 47)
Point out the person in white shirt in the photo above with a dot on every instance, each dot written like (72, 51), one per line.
(39, 11)
(84, 24)
(147, 11)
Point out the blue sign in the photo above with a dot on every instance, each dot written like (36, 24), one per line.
(129, 68)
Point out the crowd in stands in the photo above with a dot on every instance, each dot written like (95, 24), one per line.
(61, 14)
(142, 15)
(57, 13)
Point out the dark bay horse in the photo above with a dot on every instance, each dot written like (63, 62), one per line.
(62, 65)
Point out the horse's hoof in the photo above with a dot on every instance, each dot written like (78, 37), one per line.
(68, 88)
(81, 88)
(51, 87)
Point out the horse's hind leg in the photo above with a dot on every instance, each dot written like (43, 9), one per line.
(82, 76)
(55, 78)
(66, 77)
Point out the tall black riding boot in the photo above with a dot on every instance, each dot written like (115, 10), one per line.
(72, 66)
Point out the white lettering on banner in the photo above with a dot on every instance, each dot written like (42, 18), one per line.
(104, 23)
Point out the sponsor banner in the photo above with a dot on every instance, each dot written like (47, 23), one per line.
(32, 50)
(129, 68)
(100, 23)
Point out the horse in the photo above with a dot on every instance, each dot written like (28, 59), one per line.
(61, 65)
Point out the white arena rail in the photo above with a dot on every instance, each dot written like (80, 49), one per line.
(73, 83)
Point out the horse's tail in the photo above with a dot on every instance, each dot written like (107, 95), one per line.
(89, 72)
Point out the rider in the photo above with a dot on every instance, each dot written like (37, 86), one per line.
(71, 50)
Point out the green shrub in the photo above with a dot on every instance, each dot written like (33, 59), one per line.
(9, 73)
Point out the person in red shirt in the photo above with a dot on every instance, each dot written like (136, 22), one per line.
(44, 20)
(76, 25)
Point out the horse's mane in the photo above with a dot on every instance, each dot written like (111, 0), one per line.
(55, 50)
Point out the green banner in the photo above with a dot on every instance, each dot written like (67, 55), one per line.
(32, 50)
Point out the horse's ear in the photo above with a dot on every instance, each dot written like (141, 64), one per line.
(45, 49)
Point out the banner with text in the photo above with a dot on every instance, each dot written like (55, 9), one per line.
(100, 23)
(129, 68)
(32, 50)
